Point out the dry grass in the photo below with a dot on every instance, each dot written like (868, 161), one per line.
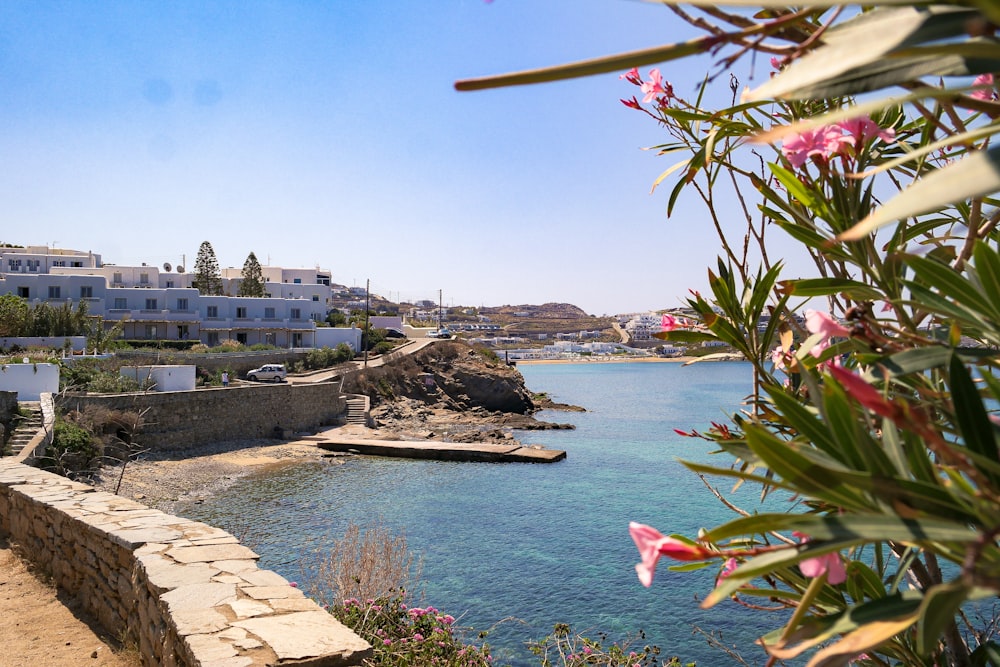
(365, 565)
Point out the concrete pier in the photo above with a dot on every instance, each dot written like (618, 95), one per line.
(442, 451)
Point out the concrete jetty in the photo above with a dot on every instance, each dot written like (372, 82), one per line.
(433, 449)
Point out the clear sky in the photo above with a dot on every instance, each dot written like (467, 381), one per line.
(329, 133)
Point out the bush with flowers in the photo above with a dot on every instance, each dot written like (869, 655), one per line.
(404, 635)
(873, 411)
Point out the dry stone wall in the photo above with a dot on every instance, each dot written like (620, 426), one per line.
(186, 419)
(188, 593)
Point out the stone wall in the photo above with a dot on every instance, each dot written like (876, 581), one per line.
(188, 593)
(237, 363)
(187, 419)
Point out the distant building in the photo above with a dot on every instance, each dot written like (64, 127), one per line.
(161, 305)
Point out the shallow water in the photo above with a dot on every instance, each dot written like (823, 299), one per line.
(545, 543)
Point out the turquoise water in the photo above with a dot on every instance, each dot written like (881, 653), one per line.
(542, 543)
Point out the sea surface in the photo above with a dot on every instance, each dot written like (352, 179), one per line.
(539, 543)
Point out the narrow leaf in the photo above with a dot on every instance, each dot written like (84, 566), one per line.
(976, 175)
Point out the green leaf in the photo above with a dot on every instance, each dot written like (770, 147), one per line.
(880, 31)
(970, 414)
(987, 262)
(953, 285)
(800, 467)
(853, 528)
(811, 287)
(976, 175)
(937, 612)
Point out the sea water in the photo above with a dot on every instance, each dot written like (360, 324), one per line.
(539, 543)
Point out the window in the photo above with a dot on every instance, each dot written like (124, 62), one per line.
(212, 311)
(241, 338)
(150, 331)
(213, 337)
(296, 340)
(296, 314)
(297, 281)
(315, 297)
(86, 292)
(59, 262)
(53, 292)
(182, 304)
(241, 313)
(269, 313)
(77, 264)
(150, 304)
(143, 278)
(170, 283)
(22, 292)
(182, 332)
(116, 277)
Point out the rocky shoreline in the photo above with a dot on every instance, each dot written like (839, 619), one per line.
(472, 399)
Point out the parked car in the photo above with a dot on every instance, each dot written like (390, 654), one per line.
(394, 333)
(268, 373)
(443, 333)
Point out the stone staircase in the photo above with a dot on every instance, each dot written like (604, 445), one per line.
(25, 428)
(357, 410)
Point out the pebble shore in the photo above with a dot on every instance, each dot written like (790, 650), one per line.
(166, 479)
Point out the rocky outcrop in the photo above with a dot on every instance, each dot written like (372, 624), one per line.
(450, 391)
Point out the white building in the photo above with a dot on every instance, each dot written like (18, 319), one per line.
(161, 305)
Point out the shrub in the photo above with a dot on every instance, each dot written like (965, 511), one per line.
(567, 649)
(409, 636)
(383, 347)
(363, 581)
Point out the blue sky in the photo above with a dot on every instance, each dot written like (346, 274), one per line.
(329, 133)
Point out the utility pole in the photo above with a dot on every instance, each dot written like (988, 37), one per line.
(439, 310)
(364, 334)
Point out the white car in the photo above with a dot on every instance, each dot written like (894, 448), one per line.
(268, 373)
(443, 333)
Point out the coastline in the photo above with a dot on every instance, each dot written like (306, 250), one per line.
(609, 360)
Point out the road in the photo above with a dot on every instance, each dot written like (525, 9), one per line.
(411, 346)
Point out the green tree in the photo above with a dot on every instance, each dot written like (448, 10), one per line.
(252, 278)
(207, 276)
(336, 318)
(14, 314)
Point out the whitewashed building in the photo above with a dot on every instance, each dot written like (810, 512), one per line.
(161, 305)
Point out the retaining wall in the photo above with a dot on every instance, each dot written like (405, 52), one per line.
(186, 419)
(188, 593)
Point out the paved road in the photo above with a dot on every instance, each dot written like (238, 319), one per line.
(413, 345)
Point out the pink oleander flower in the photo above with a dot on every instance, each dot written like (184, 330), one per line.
(668, 322)
(863, 129)
(830, 564)
(727, 569)
(864, 393)
(985, 94)
(652, 544)
(778, 359)
(632, 76)
(654, 86)
(776, 62)
(822, 142)
(818, 322)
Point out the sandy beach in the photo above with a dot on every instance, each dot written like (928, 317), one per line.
(609, 360)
